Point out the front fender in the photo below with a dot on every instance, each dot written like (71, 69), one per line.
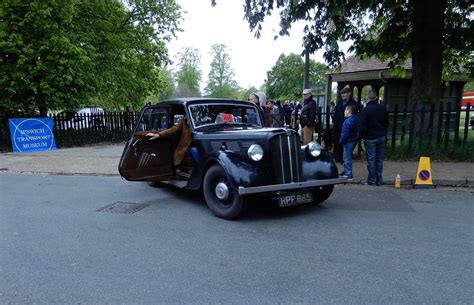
(322, 167)
(240, 170)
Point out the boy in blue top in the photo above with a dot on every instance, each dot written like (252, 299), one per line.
(349, 139)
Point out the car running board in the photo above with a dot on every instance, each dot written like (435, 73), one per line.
(176, 182)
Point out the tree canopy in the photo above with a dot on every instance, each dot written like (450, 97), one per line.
(61, 54)
(285, 79)
(430, 32)
(189, 73)
(221, 81)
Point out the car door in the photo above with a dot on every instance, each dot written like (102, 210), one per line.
(144, 159)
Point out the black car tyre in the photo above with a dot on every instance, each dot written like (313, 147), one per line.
(221, 197)
(321, 193)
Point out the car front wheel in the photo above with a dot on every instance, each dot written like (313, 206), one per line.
(321, 193)
(220, 195)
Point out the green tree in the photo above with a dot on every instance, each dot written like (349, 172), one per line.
(468, 87)
(221, 81)
(285, 79)
(189, 73)
(429, 32)
(58, 54)
(244, 93)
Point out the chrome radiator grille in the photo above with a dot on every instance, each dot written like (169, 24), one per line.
(285, 151)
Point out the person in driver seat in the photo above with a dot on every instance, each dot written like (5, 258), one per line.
(185, 141)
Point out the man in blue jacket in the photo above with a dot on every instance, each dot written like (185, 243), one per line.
(349, 139)
(373, 129)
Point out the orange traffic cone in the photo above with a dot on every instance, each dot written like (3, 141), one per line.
(423, 176)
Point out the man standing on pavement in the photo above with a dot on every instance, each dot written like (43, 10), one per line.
(373, 129)
(349, 139)
(346, 100)
(308, 118)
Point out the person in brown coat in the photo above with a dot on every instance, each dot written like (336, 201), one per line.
(184, 141)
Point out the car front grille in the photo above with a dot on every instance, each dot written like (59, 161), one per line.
(286, 160)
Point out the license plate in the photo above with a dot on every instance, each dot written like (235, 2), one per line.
(295, 198)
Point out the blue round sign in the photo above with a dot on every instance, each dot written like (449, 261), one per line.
(424, 175)
(32, 134)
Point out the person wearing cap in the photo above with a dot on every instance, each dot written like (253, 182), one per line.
(308, 118)
(346, 100)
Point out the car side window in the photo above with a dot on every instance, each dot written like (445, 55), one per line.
(153, 119)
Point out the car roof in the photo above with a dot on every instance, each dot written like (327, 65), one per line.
(191, 100)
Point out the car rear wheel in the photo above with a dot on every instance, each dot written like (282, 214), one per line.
(321, 193)
(221, 196)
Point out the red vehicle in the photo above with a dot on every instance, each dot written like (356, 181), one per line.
(467, 97)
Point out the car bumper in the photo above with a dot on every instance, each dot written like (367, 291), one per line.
(289, 186)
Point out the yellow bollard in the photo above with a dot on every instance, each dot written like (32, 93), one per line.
(397, 181)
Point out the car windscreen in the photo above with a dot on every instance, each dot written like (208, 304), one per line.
(208, 115)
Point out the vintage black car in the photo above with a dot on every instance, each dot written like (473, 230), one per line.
(234, 156)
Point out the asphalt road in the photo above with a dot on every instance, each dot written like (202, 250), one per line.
(103, 240)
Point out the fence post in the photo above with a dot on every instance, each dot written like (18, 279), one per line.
(422, 125)
(319, 125)
(456, 124)
(466, 130)
(440, 126)
(412, 129)
(394, 124)
(446, 131)
(430, 125)
(404, 123)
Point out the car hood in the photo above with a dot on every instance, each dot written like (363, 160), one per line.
(233, 133)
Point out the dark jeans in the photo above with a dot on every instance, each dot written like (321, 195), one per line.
(347, 157)
(374, 151)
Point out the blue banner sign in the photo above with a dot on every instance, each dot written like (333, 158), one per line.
(32, 134)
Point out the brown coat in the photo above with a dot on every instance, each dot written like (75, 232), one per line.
(184, 140)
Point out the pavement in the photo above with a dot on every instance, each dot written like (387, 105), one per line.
(102, 160)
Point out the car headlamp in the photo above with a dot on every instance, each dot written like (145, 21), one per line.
(255, 152)
(314, 149)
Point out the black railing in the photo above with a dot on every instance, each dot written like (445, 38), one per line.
(81, 129)
(412, 132)
(415, 132)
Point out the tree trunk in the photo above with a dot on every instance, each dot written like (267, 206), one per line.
(306, 84)
(427, 49)
(41, 104)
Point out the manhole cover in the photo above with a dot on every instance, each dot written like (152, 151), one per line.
(120, 207)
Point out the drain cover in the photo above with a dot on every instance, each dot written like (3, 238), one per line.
(121, 207)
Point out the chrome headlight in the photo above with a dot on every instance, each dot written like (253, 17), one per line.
(255, 152)
(314, 149)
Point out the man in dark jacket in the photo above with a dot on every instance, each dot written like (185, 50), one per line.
(373, 129)
(346, 100)
(308, 116)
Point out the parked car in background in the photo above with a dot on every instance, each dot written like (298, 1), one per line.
(87, 117)
(467, 98)
(237, 157)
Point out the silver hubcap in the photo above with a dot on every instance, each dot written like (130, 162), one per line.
(222, 191)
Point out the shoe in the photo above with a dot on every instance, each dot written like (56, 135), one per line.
(342, 174)
(349, 178)
(369, 184)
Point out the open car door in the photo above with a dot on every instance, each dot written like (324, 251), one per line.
(144, 159)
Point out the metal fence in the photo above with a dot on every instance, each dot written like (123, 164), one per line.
(412, 132)
(447, 134)
(79, 130)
